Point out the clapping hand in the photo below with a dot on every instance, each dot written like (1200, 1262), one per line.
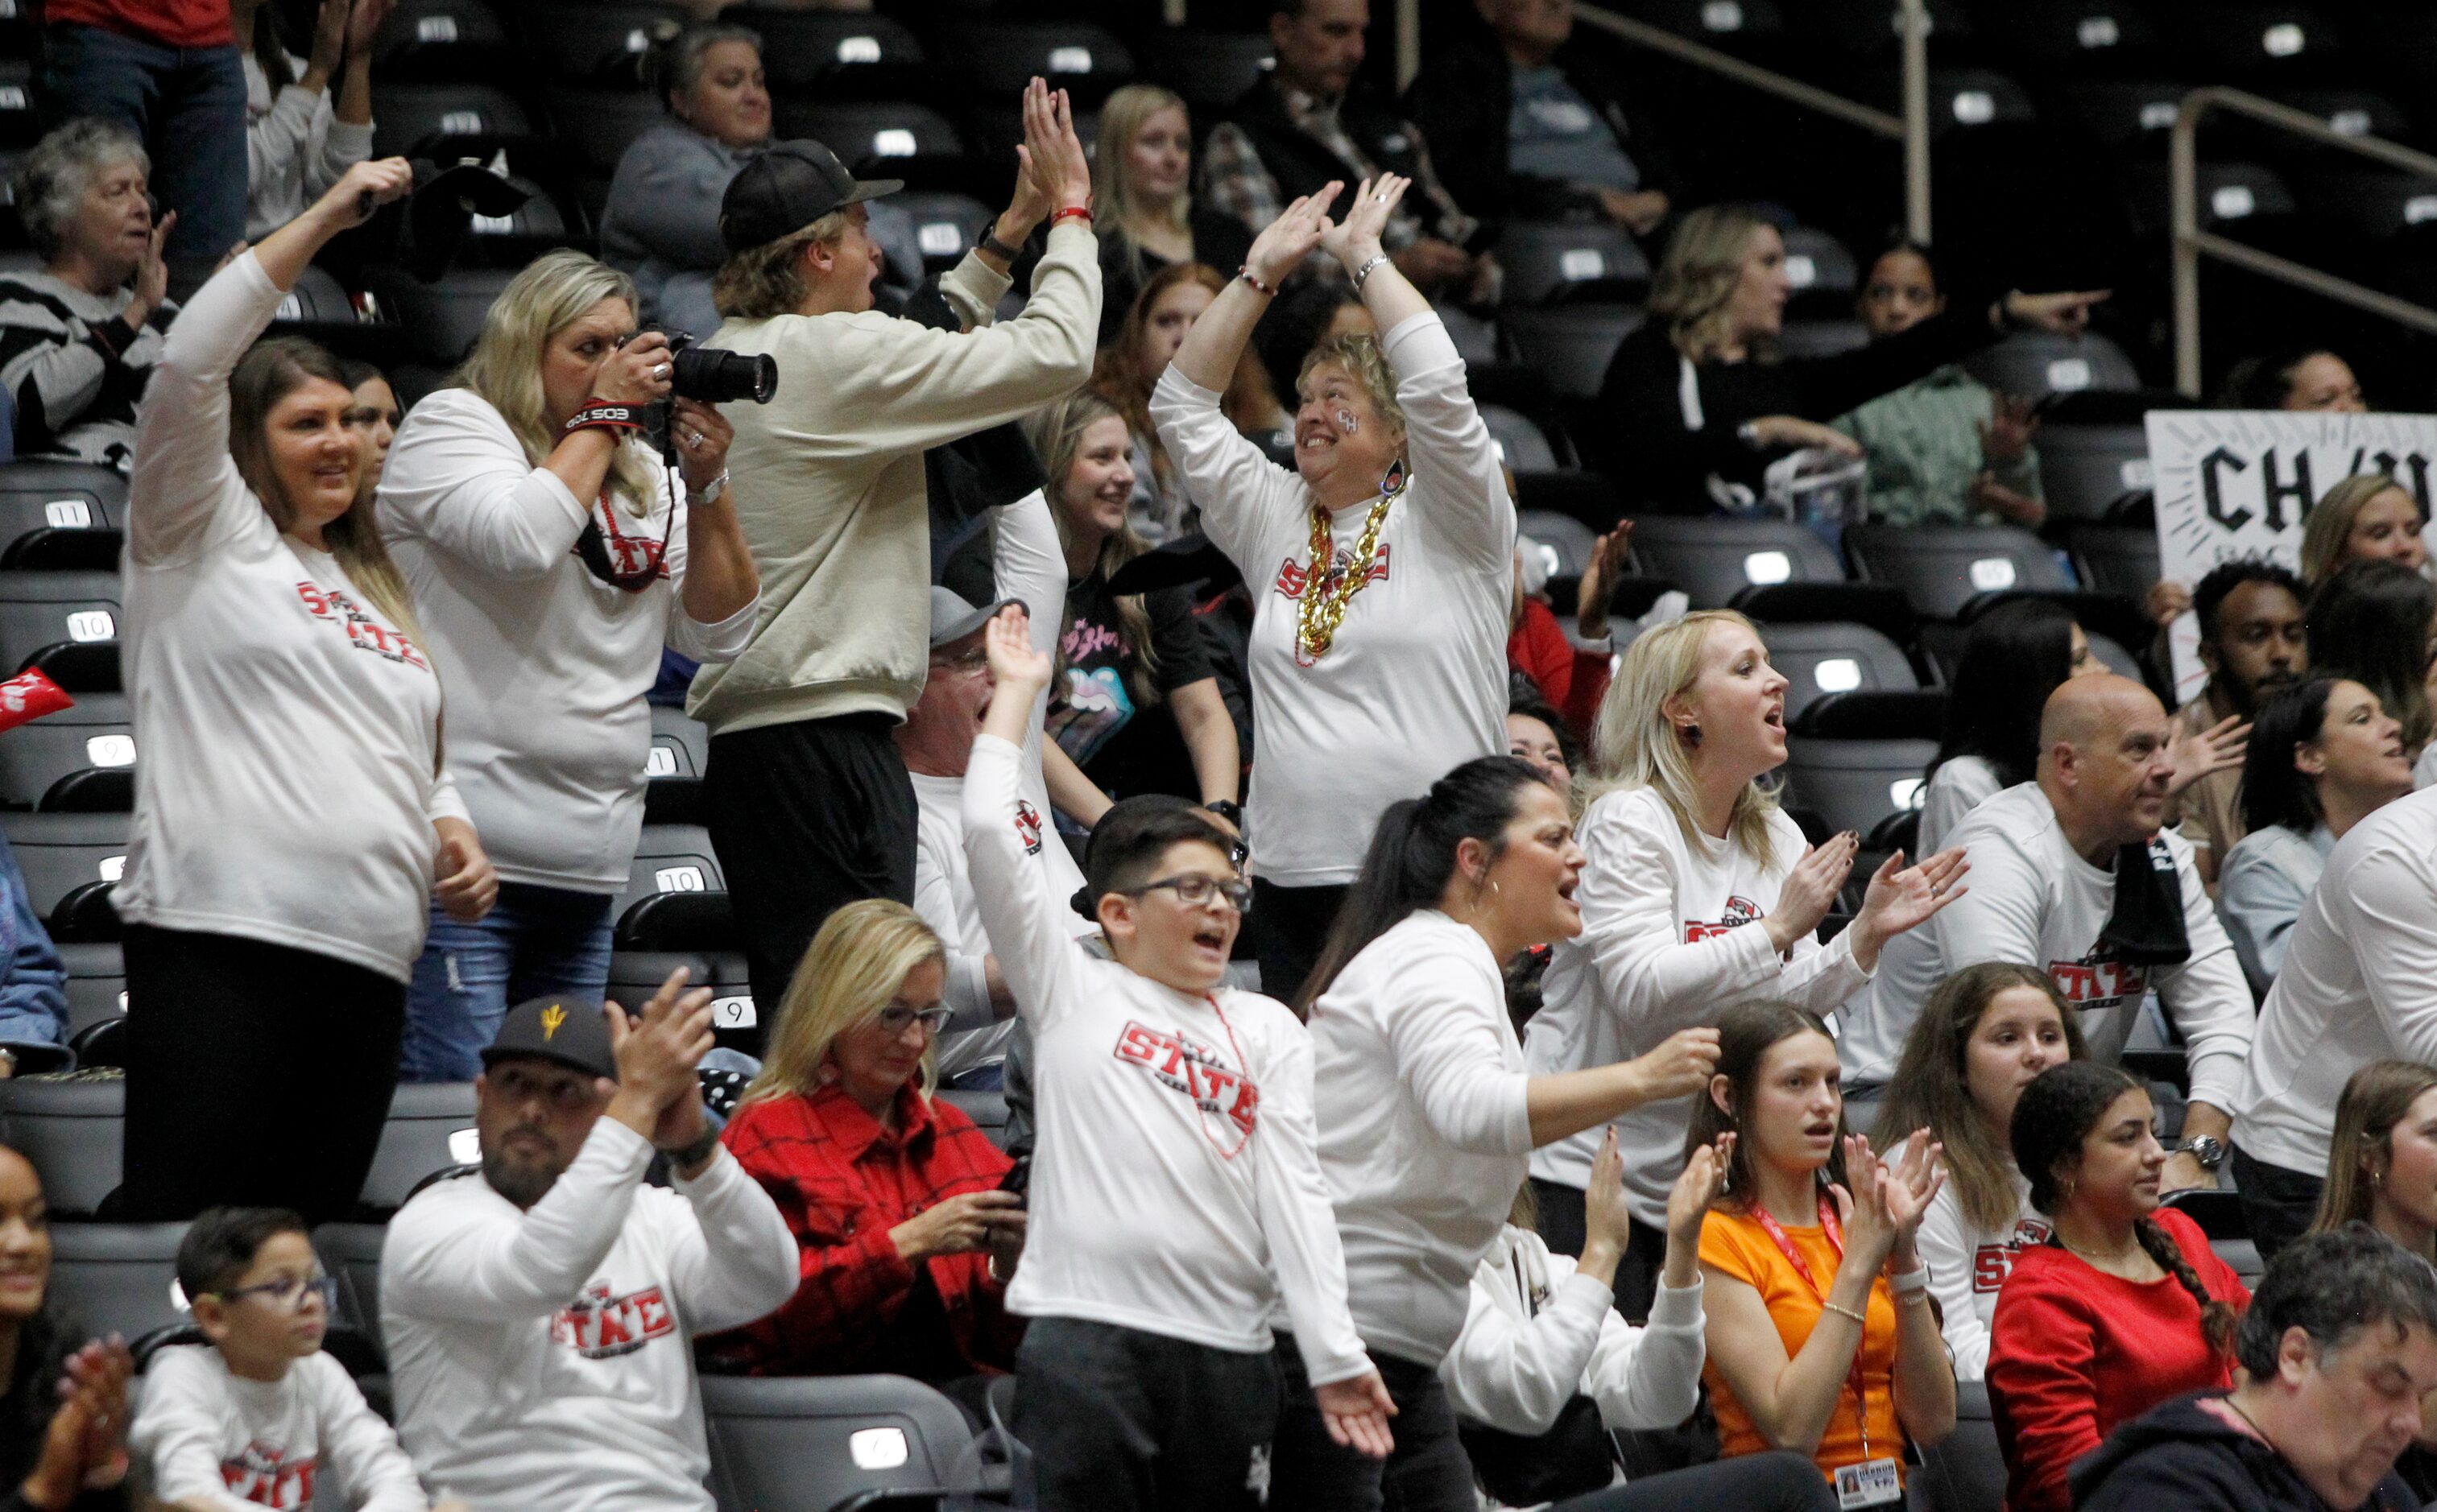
(1696, 1191)
(1354, 240)
(1281, 248)
(1015, 667)
(364, 25)
(1903, 898)
(1052, 171)
(1810, 890)
(1611, 554)
(656, 1053)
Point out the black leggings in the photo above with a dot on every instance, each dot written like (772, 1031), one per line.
(1775, 1481)
(1290, 926)
(1428, 1471)
(257, 1075)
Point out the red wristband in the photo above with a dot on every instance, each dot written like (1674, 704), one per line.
(1081, 212)
(1247, 274)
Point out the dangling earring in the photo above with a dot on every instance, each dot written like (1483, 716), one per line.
(1690, 732)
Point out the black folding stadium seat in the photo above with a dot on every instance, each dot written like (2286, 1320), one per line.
(2257, 43)
(36, 495)
(350, 1253)
(946, 226)
(1855, 784)
(1965, 1472)
(97, 985)
(1521, 444)
(2085, 471)
(440, 319)
(998, 58)
(836, 55)
(118, 1277)
(872, 137)
(70, 1133)
(442, 40)
(317, 298)
(437, 120)
(1209, 69)
(2035, 364)
(636, 975)
(1569, 262)
(59, 853)
(2231, 196)
(597, 40)
(2073, 36)
(1823, 660)
(1570, 346)
(988, 1109)
(1804, 339)
(1822, 274)
(1735, 26)
(430, 1127)
(682, 745)
(1967, 99)
(1565, 543)
(672, 859)
(39, 609)
(2131, 118)
(2121, 558)
(94, 733)
(19, 126)
(600, 122)
(1943, 567)
(1712, 560)
(815, 1443)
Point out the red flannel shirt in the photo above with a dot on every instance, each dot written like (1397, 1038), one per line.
(843, 1182)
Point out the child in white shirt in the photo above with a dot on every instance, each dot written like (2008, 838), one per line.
(260, 1414)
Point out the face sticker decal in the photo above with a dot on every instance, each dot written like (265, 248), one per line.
(1348, 422)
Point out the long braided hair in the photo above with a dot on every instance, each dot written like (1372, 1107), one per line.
(2052, 1119)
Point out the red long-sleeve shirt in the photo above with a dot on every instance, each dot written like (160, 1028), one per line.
(169, 22)
(1572, 681)
(2073, 1351)
(842, 1181)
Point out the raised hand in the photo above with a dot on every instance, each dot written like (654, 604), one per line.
(1052, 155)
(2057, 314)
(1013, 664)
(2012, 421)
(1611, 554)
(1682, 1065)
(1907, 1185)
(704, 436)
(366, 187)
(1282, 245)
(1903, 897)
(330, 31)
(1697, 1189)
(1862, 1203)
(2203, 753)
(1810, 890)
(151, 274)
(1356, 1413)
(364, 25)
(1356, 238)
(2166, 601)
(657, 1056)
(1607, 1223)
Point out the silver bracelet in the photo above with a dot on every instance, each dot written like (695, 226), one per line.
(1362, 274)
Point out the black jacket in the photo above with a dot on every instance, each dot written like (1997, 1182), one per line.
(1300, 164)
(1665, 464)
(2180, 1456)
(1461, 101)
(1220, 241)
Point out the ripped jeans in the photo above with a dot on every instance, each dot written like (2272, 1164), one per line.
(535, 942)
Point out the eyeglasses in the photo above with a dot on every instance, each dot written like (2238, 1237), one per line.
(894, 1018)
(1195, 891)
(290, 1291)
(971, 661)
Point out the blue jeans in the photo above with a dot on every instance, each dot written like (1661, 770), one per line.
(188, 105)
(535, 942)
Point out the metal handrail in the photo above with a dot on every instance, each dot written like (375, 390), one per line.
(2190, 241)
(1910, 128)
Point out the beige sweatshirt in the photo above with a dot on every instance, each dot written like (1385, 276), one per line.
(830, 487)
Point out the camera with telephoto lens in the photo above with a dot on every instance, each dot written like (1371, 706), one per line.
(710, 375)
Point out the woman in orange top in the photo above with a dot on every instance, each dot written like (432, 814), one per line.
(1820, 1332)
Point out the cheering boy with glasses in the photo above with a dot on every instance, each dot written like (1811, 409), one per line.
(1176, 1172)
(257, 1415)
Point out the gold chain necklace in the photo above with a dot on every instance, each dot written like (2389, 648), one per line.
(1324, 608)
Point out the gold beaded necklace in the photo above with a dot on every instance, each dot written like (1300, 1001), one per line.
(1323, 607)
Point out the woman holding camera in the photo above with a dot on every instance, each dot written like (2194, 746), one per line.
(551, 560)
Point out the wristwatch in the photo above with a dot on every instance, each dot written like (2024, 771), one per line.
(686, 1157)
(711, 492)
(2209, 1152)
(991, 243)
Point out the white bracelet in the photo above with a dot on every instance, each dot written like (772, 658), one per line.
(1362, 274)
(1916, 1280)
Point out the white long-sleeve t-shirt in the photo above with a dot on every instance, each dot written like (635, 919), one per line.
(1968, 1264)
(545, 664)
(296, 148)
(1415, 681)
(1027, 565)
(1957, 787)
(217, 1442)
(2360, 984)
(290, 732)
(543, 1358)
(1424, 1131)
(2031, 899)
(1670, 942)
(1538, 1333)
(1175, 1186)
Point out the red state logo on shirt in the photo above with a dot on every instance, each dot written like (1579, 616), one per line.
(362, 631)
(1992, 1263)
(1738, 913)
(262, 1473)
(600, 1326)
(1027, 827)
(1294, 577)
(1193, 1070)
(2096, 982)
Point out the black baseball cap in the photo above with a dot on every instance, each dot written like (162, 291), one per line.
(562, 1027)
(788, 187)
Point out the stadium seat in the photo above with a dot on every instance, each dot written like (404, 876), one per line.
(1577, 494)
(836, 55)
(1718, 23)
(871, 136)
(1966, 99)
(1570, 346)
(815, 1443)
(440, 318)
(100, 1045)
(1965, 1472)
(39, 609)
(317, 298)
(945, 225)
(351, 1253)
(1521, 444)
(672, 859)
(118, 1277)
(2219, 1216)
(94, 733)
(988, 1109)
(70, 1133)
(634, 975)
(1867, 714)
(85, 916)
(2115, 558)
(1209, 69)
(2034, 364)
(1566, 542)
(1820, 660)
(442, 40)
(2086, 470)
(2259, 41)
(998, 58)
(19, 128)
(599, 124)
(680, 746)
(1803, 340)
(1572, 261)
(1854, 784)
(597, 40)
(59, 853)
(1823, 275)
(2132, 117)
(1713, 559)
(97, 985)
(426, 120)
(58, 496)
(2082, 33)
(2230, 195)
(430, 1127)
(1941, 568)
